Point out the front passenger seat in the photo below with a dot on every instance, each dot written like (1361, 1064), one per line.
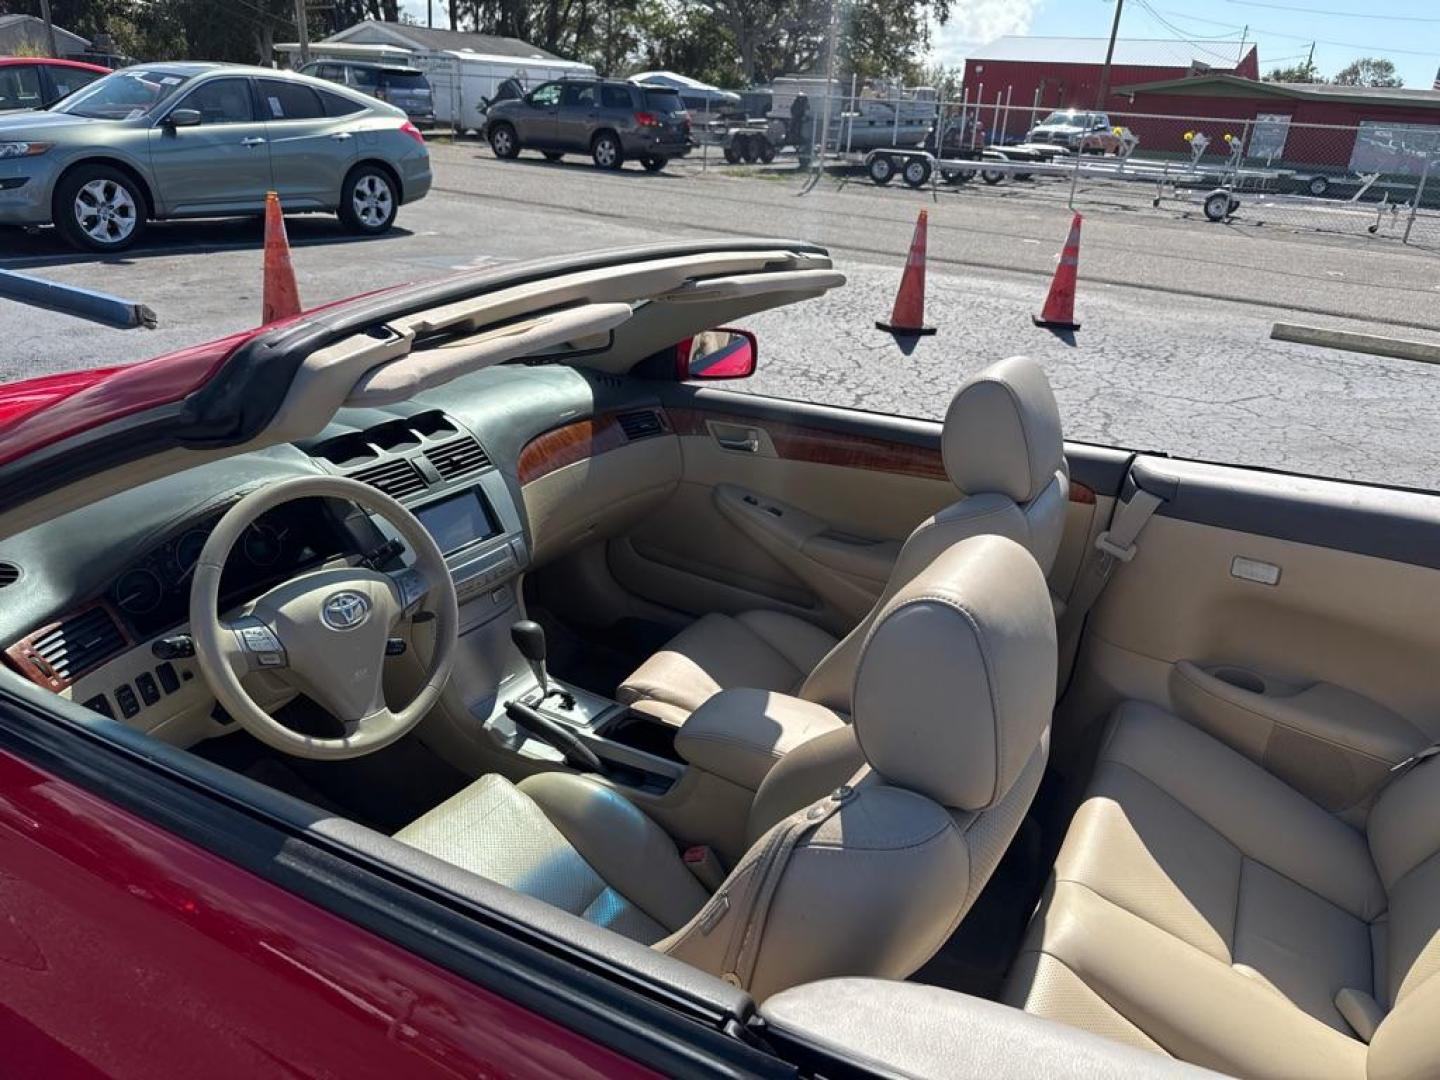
(1002, 447)
(953, 694)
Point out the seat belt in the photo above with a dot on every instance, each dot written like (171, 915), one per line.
(1115, 545)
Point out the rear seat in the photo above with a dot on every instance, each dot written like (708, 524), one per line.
(1202, 908)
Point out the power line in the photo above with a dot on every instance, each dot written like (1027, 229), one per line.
(1181, 35)
(1339, 14)
(1262, 32)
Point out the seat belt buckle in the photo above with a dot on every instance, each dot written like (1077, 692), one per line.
(1415, 759)
(1107, 546)
(705, 865)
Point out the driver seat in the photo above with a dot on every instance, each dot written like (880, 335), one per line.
(868, 844)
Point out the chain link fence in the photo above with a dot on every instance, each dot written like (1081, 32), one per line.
(1372, 178)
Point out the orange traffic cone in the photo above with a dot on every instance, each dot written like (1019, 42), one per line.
(1059, 310)
(281, 296)
(908, 317)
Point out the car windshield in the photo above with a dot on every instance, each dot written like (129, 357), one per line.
(404, 80)
(1067, 118)
(663, 101)
(124, 95)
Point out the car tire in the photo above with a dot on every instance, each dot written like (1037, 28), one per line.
(916, 172)
(882, 169)
(654, 163)
(553, 155)
(766, 150)
(1318, 186)
(504, 143)
(369, 200)
(606, 152)
(94, 202)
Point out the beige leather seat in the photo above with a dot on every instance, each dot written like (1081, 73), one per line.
(953, 696)
(1203, 909)
(1002, 448)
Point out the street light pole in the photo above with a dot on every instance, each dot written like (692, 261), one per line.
(304, 29)
(49, 27)
(1109, 55)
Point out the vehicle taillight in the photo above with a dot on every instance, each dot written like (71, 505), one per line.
(410, 129)
(647, 119)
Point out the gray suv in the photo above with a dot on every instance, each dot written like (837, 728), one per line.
(608, 119)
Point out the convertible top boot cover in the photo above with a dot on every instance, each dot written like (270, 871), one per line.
(1202, 908)
(1002, 448)
(953, 696)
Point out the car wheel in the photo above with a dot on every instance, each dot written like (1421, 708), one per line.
(882, 169)
(916, 172)
(653, 163)
(553, 155)
(99, 208)
(606, 151)
(368, 200)
(504, 142)
(1318, 186)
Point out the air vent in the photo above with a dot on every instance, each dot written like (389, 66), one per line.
(457, 457)
(396, 478)
(9, 574)
(644, 424)
(79, 643)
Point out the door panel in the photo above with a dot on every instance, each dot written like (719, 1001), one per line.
(221, 165)
(310, 153)
(850, 487)
(537, 117)
(578, 108)
(1292, 618)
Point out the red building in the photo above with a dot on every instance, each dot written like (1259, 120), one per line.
(1057, 73)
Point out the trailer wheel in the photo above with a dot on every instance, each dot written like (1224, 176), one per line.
(1318, 186)
(1220, 204)
(992, 176)
(749, 150)
(956, 176)
(766, 150)
(732, 155)
(916, 172)
(882, 169)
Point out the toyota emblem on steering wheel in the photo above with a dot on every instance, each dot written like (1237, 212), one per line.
(345, 610)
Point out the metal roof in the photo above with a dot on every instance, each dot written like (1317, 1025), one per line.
(377, 32)
(1129, 52)
(1222, 85)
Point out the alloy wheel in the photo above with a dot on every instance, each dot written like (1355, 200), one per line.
(605, 153)
(373, 200)
(105, 211)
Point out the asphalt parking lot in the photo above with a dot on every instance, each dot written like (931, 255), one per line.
(1173, 354)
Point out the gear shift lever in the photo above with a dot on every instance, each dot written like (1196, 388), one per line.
(529, 638)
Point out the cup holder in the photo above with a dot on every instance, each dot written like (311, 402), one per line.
(1240, 678)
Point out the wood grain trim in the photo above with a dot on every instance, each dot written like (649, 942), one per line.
(1079, 493)
(24, 659)
(799, 442)
(577, 441)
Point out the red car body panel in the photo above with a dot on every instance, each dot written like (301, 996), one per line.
(46, 61)
(126, 951)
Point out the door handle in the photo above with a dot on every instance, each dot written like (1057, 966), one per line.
(252, 142)
(749, 443)
(340, 136)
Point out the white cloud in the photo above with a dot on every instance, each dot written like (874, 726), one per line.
(975, 22)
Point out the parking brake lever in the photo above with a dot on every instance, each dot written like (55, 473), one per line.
(577, 755)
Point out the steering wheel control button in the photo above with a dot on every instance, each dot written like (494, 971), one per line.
(149, 692)
(343, 611)
(125, 698)
(411, 584)
(395, 647)
(259, 639)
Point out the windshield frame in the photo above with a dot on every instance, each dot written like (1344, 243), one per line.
(172, 82)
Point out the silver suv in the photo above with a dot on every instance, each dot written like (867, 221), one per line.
(608, 119)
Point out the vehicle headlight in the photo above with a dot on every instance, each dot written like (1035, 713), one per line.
(22, 149)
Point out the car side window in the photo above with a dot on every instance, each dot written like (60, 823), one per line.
(579, 96)
(289, 101)
(68, 80)
(220, 101)
(338, 105)
(329, 72)
(547, 95)
(20, 87)
(615, 97)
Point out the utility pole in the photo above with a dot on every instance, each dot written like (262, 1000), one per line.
(430, 14)
(49, 28)
(1109, 55)
(304, 29)
(1310, 62)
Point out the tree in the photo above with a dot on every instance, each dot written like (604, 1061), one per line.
(1369, 71)
(1299, 73)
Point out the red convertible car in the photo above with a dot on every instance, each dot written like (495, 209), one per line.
(461, 680)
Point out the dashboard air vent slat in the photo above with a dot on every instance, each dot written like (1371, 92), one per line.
(9, 574)
(643, 424)
(458, 457)
(79, 643)
(396, 478)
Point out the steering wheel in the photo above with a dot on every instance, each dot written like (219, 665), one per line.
(323, 632)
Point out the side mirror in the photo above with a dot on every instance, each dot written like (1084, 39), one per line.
(179, 118)
(719, 354)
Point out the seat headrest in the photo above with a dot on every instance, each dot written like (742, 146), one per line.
(1002, 432)
(956, 681)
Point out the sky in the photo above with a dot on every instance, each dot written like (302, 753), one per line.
(1404, 31)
